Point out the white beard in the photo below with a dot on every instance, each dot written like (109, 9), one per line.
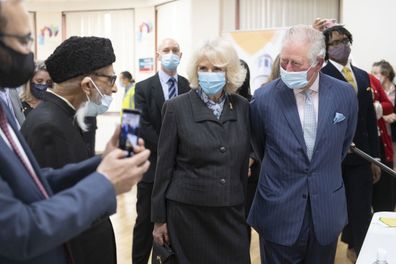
(80, 116)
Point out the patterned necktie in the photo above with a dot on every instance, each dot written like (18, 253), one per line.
(309, 125)
(349, 77)
(172, 87)
(6, 131)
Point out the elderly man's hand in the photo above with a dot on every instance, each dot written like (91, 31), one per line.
(123, 172)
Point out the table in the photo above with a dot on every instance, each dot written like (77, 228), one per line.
(379, 235)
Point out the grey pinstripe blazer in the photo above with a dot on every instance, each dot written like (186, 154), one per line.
(201, 160)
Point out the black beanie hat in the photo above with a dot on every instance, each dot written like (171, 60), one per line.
(78, 56)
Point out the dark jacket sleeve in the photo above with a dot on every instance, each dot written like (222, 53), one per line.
(69, 175)
(147, 130)
(28, 230)
(372, 130)
(167, 148)
(47, 144)
(257, 129)
(352, 122)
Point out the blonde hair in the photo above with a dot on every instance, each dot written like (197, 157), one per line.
(26, 95)
(220, 53)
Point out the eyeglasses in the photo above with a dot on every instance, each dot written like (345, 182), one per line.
(339, 41)
(112, 78)
(25, 40)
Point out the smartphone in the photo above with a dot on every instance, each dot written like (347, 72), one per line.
(130, 124)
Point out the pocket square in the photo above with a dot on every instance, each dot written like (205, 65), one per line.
(338, 118)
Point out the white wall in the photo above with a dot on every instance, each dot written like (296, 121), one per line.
(48, 33)
(372, 26)
(189, 22)
(144, 41)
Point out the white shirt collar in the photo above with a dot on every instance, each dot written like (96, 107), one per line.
(66, 101)
(340, 66)
(164, 77)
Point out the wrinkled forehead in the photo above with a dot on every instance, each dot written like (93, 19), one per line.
(295, 50)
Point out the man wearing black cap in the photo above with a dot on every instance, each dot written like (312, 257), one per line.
(82, 71)
(41, 209)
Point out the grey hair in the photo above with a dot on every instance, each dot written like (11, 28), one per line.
(307, 34)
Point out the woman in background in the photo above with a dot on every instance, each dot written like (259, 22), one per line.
(198, 199)
(384, 190)
(128, 83)
(33, 91)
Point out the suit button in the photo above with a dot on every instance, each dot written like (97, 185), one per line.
(304, 196)
(222, 181)
(222, 149)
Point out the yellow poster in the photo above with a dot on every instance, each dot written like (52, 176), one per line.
(258, 49)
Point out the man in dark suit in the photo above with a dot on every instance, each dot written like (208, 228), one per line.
(150, 95)
(302, 128)
(41, 209)
(55, 136)
(358, 174)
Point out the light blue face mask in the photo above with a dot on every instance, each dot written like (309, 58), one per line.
(94, 109)
(170, 61)
(211, 83)
(294, 80)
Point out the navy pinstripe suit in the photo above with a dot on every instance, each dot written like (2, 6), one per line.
(287, 177)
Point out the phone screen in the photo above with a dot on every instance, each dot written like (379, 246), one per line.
(130, 123)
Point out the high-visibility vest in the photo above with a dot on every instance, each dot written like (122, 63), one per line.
(129, 99)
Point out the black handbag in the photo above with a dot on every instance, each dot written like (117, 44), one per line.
(162, 254)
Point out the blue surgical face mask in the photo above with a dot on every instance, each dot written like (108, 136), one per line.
(38, 90)
(170, 61)
(94, 109)
(211, 83)
(294, 80)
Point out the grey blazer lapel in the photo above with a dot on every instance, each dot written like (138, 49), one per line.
(182, 85)
(287, 100)
(16, 105)
(200, 111)
(229, 113)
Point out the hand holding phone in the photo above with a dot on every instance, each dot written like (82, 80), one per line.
(129, 135)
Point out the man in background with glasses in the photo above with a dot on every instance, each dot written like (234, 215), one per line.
(84, 80)
(357, 173)
(42, 209)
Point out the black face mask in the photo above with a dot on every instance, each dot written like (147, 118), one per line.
(16, 68)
